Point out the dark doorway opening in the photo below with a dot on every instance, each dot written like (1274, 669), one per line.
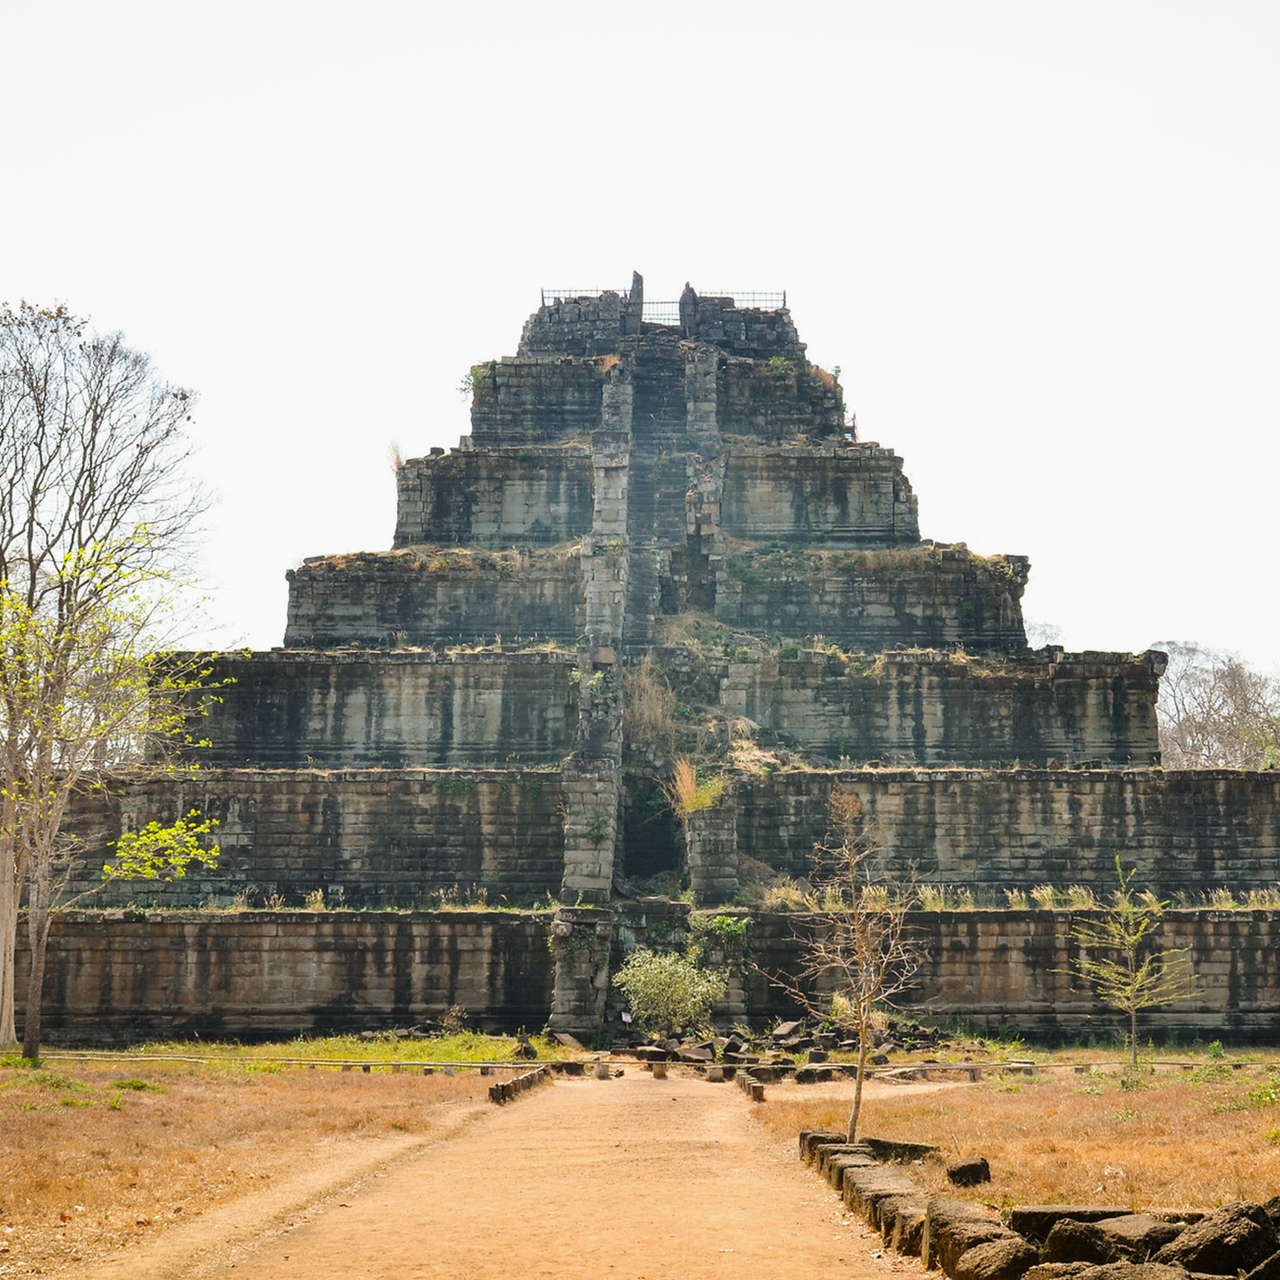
(652, 841)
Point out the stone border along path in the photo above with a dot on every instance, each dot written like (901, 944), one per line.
(631, 1174)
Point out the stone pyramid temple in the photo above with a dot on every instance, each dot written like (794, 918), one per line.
(662, 544)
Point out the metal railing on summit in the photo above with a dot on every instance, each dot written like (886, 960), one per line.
(755, 300)
(550, 296)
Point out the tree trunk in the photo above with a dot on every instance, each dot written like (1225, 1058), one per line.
(9, 890)
(864, 1051)
(1133, 1039)
(38, 933)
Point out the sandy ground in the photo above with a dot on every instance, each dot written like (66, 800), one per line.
(634, 1175)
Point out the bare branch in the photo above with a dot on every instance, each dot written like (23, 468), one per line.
(859, 952)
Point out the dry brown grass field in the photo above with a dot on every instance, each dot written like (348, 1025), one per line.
(94, 1154)
(1180, 1139)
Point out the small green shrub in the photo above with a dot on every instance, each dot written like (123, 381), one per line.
(726, 930)
(667, 991)
(1267, 1094)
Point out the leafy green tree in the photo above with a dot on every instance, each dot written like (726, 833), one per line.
(1124, 961)
(669, 992)
(95, 517)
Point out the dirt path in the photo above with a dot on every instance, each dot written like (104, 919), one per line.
(634, 1175)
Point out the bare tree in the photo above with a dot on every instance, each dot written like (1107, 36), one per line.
(96, 513)
(1216, 712)
(858, 953)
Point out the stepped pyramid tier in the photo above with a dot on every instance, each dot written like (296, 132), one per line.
(663, 540)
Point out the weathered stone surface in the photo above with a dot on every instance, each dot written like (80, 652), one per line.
(830, 1151)
(1036, 1221)
(864, 1189)
(834, 1166)
(1057, 1270)
(390, 710)
(1007, 1259)
(896, 1150)
(1124, 1271)
(846, 495)
(1136, 1236)
(1238, 1237)
(969, 1172)
(436, 596)
(902, 1222)
(211, 974)
(952, 1227)
(1133, 1237)
(498, 497)
(1176, 829)
(810, 1138)
(1267, 1269)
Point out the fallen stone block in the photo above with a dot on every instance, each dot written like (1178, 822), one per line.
(1237, 1237)
(1035, 1221)
(1007, 1259)
(1134, 1237)
(969, 1172)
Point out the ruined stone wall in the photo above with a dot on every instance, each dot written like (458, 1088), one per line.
(777, 402)
(290, 709)
(579, 326)
(394, 836)
(1181, 831)
(528, 496)
(932, 708)
(752, 332)
(1011, 970)
(867, 601)
(368, 838)
(402, 600)
(131, 974)
(839, 495)
(536, 400)
(127, 975)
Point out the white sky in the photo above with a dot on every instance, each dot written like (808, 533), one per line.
(1040, 239)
